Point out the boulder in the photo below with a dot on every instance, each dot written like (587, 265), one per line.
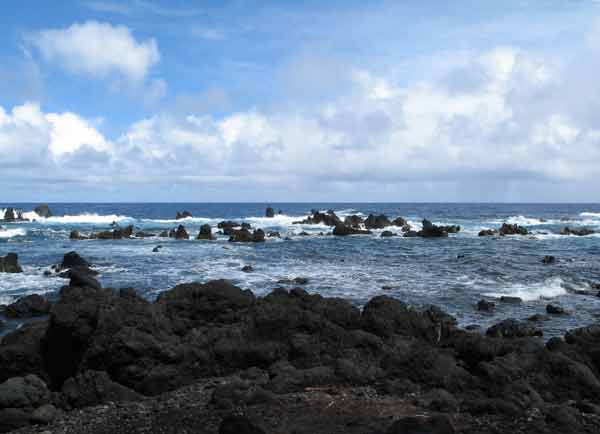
(432, 231)
(247, 269)
(10, 263)
(245, 236)
(95, 387)
(76, 235)
(269, 212)
(553, 309)
(43, 210)
(487, 232)
(343, 230)
(205, 233)
(512, 328)
(28, 306)
(377, 221)
(485, 305)
(73, 260)
(179, 234)
(548, 259)
(514, 229)
(81, 279)
(399, 221)
(329, 219)
(353, 221)
(23, 400)
(386, 234)
(183, 215)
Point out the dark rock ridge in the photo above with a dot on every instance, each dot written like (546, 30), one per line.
(377, 221)
(515, 229)
(329, 219)
(291, 362)
(13, 215)
(343, 230)
(353, 221)
(43, 210)
(430, 230)
(183, 215)
(10, 263)
(245, 236)
(579, 232)
(487, 232)
(205, 233)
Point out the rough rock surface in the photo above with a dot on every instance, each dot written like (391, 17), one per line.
(294, 362)
(10, 263)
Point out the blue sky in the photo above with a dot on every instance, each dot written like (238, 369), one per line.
(145, 100)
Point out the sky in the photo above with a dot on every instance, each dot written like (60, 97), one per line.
(283, 101)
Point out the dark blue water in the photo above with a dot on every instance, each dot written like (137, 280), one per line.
(454, 273)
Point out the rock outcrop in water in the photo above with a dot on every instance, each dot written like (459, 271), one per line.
(10, 263)
(343, 230)
(514, 229)
(12, 215)
(292, 362)
(245, 236)
(183, 215)
(430, 230)
(179, 234)
(329, 219)
(377, 221)
(43, 211)
(205, 233)
(28, 306)
(581, 232)
(269, 212)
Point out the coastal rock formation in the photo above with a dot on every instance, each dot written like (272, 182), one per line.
(23, 400)
(270, 212)
(581, 232)
(116, 234)
(343, 230)
(245, 236)
(329, 219)
(430, 230)
(399, 221)
(387, 234)
(28, 306)
(353, 221)
(10, 263)
(183, 215)
(13, 215)
(295, 362)
(76, 235)
(205, 233)
(179, 234)
(487, 232)
(43, 211)
(514, 229)
(377, 221)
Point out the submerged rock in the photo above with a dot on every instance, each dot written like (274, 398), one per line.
(554, 309)
(548, 259)
(581, 232)
(385, 234)
(485, 305)
(10, 263)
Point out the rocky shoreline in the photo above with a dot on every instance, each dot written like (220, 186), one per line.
(213, 357)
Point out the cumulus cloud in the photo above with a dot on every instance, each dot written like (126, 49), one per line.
(478, 123)
(99, 50)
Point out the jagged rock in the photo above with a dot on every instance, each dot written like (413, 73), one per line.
(28, 306)
(183, 215)
(205, 233)
(328, 219)
(343, 230)
(515, 229)
(485, 305)
(95, 387)
(554, 309)
(43, 210)
(353, 221)
(269, 212)
(10, 263)
(76, 235)
(179, 234)
(399, 221)
(245, 236)
(511, 328)
(579, 232)
(432, 231)
(377, 221)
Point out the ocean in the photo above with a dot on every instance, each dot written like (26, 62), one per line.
(453, 273)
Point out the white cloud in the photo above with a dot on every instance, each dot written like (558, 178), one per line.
(99, 50)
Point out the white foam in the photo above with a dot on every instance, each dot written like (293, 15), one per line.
(201, 220)
(549, 288)
(594, 215)
(10, 233)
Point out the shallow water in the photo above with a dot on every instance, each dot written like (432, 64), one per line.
(453, 273)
